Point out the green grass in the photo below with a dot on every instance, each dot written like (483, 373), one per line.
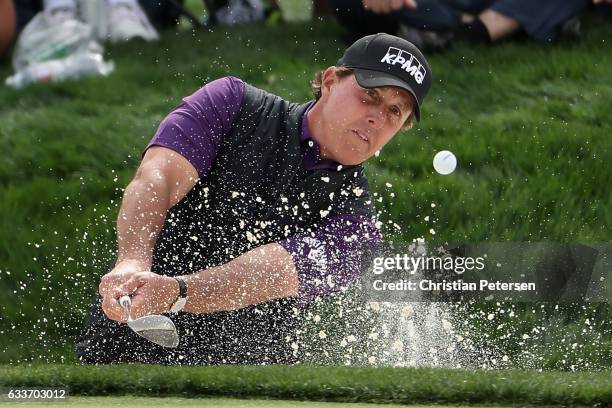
(129, 401)
(377, 385)
(530, 125)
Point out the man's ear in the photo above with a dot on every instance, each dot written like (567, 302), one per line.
(328, 79)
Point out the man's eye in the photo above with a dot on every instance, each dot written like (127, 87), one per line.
(395, 110)
(370, 93)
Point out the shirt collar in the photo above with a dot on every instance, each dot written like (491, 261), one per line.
(312, 150)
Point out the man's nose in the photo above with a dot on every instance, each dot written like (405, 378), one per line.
(376, 118)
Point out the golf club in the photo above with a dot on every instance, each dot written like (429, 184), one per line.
(155, 328)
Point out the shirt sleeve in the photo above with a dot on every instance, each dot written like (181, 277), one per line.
(334, 255)
(341, 249)
(197, 127)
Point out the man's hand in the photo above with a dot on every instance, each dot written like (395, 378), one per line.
(120, 274)
(151, 294)
(122, 271)
(388, 6)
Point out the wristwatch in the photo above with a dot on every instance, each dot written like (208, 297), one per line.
(180, 302)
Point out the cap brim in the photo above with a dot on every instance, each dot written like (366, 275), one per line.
(375, 79)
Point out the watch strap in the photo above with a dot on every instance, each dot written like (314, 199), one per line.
(180, 302)
(182, 287)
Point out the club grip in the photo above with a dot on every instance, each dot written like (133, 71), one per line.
(125, 301)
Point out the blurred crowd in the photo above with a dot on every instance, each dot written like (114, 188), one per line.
(432, 25)
(435, 24)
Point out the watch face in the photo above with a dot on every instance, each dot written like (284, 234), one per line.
(178, 305)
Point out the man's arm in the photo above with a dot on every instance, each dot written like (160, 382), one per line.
(292, 267)
(183, 149)
(262, 274)
(162, 180)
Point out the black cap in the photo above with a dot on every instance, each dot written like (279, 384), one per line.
(385, 60)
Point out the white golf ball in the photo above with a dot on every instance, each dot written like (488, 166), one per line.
(445, 162)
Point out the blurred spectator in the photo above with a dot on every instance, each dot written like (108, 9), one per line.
(604, 6)
(433, 24)
(8, 24)
(125, 18)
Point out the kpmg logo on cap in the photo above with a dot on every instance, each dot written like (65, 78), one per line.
(407, 61)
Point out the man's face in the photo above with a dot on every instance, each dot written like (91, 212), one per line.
(357, 122)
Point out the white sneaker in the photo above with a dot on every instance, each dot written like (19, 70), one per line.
(127, 21)
(59, 15)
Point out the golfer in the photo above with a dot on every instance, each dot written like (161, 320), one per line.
(246, 208)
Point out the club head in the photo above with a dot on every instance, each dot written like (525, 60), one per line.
(157, 329)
